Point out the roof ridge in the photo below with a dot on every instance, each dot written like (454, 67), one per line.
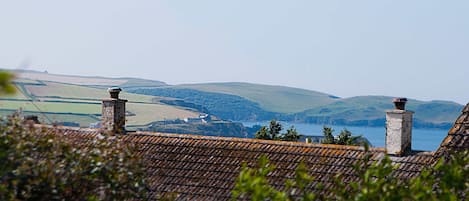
(258, 141)
(458, 135)
(66, 127)
(466, 108)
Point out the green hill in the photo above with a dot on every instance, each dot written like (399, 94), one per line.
(155, 100)
(278, 99)
(91, 81)
(247, 102)
(369, 111)
(76, 100)
(225, 106)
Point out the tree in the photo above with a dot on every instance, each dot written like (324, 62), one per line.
(328, 137)
(274, 129)
(291, 135)
(39, 165)
(273, 132)
(263, 133)
(344, 138)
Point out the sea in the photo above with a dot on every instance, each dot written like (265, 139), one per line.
(422, 139)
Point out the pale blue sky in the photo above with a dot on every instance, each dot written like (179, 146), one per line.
(417, 49)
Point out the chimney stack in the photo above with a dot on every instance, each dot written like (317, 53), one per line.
(399, 128)
(113, 112)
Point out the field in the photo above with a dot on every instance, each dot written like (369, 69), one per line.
(155, 112)
(87, 80)
(68, 91)
(48, 97)
(57, 107)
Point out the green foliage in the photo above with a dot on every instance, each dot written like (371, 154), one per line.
(252, 183)
(448, 180)
(274, 129)
(273, 132)
(328, 137)
(44, 166)
(344, 138)
(451, 177)
(263, 133)
(6, 85)
(375, 182)
(291, 135)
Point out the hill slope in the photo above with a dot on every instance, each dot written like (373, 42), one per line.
(247, 102)
(231, 101)
(93, 81)
(53, 100)
(278, 99)
(369, 111)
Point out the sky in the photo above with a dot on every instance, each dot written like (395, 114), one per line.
(415, 49)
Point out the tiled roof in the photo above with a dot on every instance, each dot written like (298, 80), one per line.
(205, 168)
(458, 135)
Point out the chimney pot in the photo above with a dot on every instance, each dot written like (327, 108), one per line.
(399, 103)
(114, 92)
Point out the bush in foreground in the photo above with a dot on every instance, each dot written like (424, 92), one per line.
(36, 165)
(447, 180)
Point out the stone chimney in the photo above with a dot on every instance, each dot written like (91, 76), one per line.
(113, 113)
(399, 128)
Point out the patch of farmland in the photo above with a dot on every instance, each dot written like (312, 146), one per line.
(78, 80)
(59, 90)
(146, 113)
(84, 108)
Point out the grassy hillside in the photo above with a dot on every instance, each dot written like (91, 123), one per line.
(245, 102)
(225, 106)
(270, 98)
(76, 92)
(59, 102)
(370, 110)
(94, 81)
(81, 95)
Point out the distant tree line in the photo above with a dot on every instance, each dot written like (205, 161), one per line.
(273, 132)
(344, 138)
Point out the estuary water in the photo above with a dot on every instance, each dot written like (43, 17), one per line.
(422, 139)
